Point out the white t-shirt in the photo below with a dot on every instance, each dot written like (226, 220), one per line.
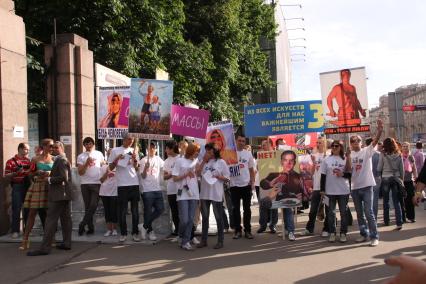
(125, 172)
(334, 185)
(92, 174)
(109, 186)
(169, 164)
(213, 191)
(183, 166)
(245, 161)
(362, 170)
(152, 180)
(319, 157)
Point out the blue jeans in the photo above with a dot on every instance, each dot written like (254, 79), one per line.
(390, 187)
(18, 196)
(186, 219)
(342, 200)
(376, 193)
(152, 200)
(363, 201)
(289, 220)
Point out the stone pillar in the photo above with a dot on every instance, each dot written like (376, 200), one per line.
(70, 91)
(13, 82)
(13, 96)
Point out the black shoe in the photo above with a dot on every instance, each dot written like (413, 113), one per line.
(36, 253)
(273, 230)
(81, 229)
(261, 230)
(219, 245)
(248, 235)
(62, 247)
(90, 231)
(237, 235)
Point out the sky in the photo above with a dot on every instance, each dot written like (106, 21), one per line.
(388, 37)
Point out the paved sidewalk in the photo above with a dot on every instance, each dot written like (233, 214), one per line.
(265, 259)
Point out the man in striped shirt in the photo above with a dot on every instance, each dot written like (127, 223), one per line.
(17, 168)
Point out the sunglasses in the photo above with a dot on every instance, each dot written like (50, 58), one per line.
(335, 146)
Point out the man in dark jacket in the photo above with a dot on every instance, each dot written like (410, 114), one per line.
(59, 192)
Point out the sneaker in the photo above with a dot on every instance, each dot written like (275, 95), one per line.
(195, 241)
(114, 233)
(143, 231)
(374, 243)
(273, 230)
(361, 239)
(136, 238)
(202, 244)
(237, 235)
(343, 238)
(248, 235)
(108, 233)
(398, 228)
(15, 235)
(332, 238)
(187, 246)
(306, 232)
(291, 236)
(324, 234)
(122, 239)
(152, 236)
(174, 240)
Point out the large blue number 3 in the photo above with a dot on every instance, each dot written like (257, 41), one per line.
(317, 110)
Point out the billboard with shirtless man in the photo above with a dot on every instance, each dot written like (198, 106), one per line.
(344, 98)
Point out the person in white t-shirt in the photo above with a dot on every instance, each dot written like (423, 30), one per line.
(172, 152)
(362, 182)
(214, 172)
(152, 196)
(188, 194)
(108, 194)
(89, 165)
(335, 171)
(242, 181)
(125, 160)
(316, 198)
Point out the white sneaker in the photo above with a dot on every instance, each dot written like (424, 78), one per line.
(136, 238)
(108, 233)
(324, 234)
(15, 235)
(122, 239)
(361, 239)
(187, 246)
(152, 236)
(175, 240)
(306, 233)
(143, 231)
(114, 233)
(374, 243)
(195, 241)
(332, 238)
(291, 236)
(343, 238)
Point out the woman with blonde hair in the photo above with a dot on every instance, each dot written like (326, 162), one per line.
(188, 194)
(217, 137)
(36, 197)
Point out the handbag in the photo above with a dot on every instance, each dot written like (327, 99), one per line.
(397, 180)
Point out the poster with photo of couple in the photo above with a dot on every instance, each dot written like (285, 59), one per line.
(285, 178)
(150, 107)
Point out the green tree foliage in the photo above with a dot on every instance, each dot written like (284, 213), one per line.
(209, 47)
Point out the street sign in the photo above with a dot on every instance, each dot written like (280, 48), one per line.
(413, 107)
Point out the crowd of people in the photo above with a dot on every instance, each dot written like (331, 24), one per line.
(195, 183)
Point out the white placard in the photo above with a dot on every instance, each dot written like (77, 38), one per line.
(66, 139)
(18, 132)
